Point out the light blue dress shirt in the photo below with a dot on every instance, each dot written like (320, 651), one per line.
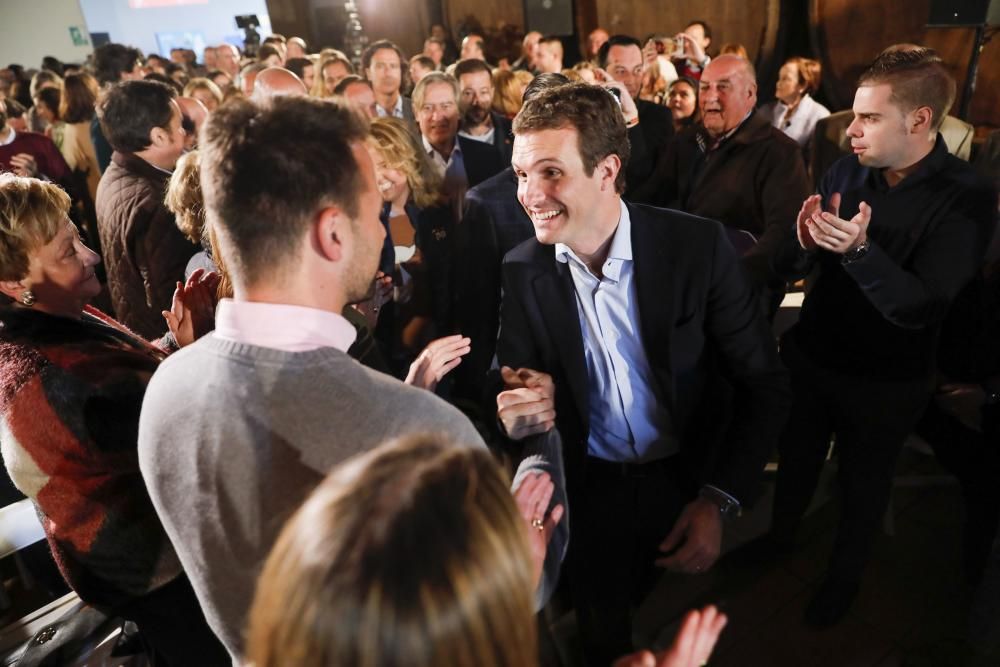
(628, 422)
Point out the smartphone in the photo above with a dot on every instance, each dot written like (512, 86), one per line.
(678, 47)
(617, 94)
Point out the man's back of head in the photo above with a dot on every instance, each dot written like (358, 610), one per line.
(116, 62)
(268, 169)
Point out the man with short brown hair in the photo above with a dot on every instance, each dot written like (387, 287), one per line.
(896, 230)
(613, 321)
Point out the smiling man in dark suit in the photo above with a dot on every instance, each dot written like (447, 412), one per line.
(626, 326)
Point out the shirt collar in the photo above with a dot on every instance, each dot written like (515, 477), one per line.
(11, 137)
(619, 252)
(430, 150)
(397, 108)
(282, 326)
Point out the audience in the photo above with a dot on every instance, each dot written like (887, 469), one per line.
(887, 268)
(144, 253)
(272, 383)
(651, 467)
(374, 235)
(74, 381)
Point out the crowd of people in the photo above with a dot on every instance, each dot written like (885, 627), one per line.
(309, 361)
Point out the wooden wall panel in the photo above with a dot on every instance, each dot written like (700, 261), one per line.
(489, 13)
(848, 34)
(405, 22)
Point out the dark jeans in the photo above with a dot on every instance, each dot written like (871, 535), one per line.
(870, 419)
(619, 521)
(174, 628)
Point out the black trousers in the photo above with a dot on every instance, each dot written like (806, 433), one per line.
(619, 521)
(174, 628)
(870, 419)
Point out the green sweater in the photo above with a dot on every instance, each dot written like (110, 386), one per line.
(233, 437)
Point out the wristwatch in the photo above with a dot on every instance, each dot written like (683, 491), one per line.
(729, 508)
(854, 254)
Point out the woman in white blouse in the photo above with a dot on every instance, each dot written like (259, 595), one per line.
(794, 112)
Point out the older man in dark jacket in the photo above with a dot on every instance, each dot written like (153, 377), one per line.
(735, 168)
(144, 252)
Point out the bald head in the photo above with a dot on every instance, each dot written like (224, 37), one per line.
(275, 81)
(727, 93)
(193, 112)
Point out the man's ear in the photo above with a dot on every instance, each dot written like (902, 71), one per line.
(329, 233)
(922, 118)
(158, 136)
(608, 169)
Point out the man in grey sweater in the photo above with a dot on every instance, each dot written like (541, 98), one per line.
(239, 427)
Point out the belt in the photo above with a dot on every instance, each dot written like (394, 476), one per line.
(599, 468)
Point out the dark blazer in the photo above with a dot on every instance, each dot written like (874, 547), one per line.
(710, 350)
(648, 141)
(481, 160)
(493, 223)
(503, 137)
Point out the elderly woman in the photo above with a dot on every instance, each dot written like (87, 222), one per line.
(794, 112)
(417, 554)
(73, 383)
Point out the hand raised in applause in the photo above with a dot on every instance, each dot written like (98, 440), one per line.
(192, 310)
(692, 646)
(437, 360)
(527, 407)
(817, 228)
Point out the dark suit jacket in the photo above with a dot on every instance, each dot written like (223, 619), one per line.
(493, 223)
(702, 333)
(503, 137)
(755, 182)
(481, 160)
(649, 141)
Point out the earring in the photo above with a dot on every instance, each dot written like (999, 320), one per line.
(27, 298)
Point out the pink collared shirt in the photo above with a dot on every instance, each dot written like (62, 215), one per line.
(282, 327)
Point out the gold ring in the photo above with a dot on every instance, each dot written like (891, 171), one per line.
(537, 524)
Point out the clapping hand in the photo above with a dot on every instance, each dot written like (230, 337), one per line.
(691, 648)
(437, 360)
(817, 228)
(192, 310)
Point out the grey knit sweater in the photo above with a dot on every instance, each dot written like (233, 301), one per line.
(233, 437)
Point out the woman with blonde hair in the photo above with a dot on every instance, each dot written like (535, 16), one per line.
(415, 554)
(205, 91)
(74, 380)
(508, 91)
(419, 224)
